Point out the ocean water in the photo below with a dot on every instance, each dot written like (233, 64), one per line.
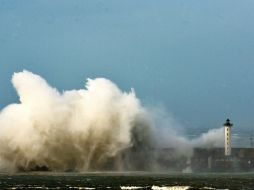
(134, 180)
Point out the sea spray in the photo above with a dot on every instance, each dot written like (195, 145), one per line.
(75, 130)
(93, 129)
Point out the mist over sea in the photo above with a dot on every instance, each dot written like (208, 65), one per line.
(241, 137)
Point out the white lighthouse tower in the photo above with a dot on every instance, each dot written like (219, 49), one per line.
(227, 127)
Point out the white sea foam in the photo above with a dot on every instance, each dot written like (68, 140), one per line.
(130, 187)
(170, 188)
(88, 188)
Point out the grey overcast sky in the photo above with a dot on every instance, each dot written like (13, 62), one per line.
(194, 57)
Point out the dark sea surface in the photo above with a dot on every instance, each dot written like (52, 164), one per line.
(134, 180)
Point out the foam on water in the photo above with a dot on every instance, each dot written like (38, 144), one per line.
(170, 188)
(130, 187)
(89, 188)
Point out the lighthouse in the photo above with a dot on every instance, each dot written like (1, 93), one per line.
(227, 127)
